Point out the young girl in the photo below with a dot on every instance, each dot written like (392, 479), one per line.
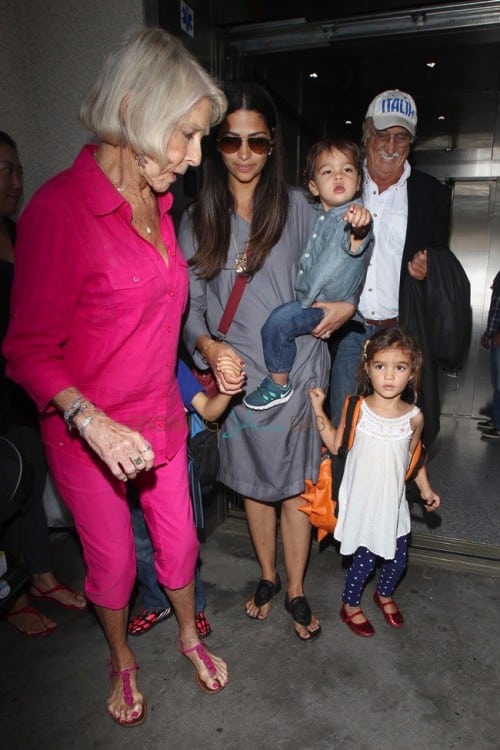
(374, 518)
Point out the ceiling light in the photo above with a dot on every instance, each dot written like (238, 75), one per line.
(441, 117)
(431, 64)
(348, 122)
(313, 75)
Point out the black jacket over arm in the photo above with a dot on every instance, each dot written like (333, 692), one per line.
(436, 310)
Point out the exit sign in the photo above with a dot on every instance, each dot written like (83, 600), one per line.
(187, 18)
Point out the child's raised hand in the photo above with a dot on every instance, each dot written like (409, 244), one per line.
(358, 217)
(431, 499)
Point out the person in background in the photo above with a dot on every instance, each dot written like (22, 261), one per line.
(490, 339)
(246, 220)
(95, 340)
(374, 517)
(332, 266)
(25, 536)
(156, 604)
(411, 215)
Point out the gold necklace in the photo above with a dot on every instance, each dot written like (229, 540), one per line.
(241, 260)
(123, 189)
(145, 222)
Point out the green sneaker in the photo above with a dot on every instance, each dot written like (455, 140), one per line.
(268, 394)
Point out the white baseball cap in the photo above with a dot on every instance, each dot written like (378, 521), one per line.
(391, 108)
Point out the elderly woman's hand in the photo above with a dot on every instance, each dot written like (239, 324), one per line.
(123, 450)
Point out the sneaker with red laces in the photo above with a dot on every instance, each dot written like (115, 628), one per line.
(202, 625)
(147, 619)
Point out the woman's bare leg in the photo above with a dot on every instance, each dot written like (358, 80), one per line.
(296, 538)
(183, 603)
(114, 623)
(261, 519)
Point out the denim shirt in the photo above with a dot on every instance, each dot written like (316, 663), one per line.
(328, 270)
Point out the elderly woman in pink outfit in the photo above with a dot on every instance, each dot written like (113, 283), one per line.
(100, 287)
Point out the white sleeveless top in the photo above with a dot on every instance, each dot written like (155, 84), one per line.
(373, 510)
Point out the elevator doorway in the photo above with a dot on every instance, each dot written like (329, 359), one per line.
(475, 240)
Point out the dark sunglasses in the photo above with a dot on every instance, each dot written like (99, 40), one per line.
(230, 144)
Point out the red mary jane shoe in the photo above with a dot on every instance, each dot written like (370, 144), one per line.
(395, 619)
(364, 629)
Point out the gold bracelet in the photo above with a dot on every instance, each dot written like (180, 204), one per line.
(205, 348)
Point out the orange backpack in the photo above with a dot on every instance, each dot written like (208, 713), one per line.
(322, 496)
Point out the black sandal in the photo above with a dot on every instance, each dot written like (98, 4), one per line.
(264, 592)
(301, 613)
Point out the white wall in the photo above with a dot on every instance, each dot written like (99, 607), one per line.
(50, 54)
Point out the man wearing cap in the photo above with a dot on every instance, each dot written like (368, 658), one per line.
(411, 213)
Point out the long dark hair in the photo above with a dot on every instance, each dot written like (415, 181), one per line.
(211, 214)
(392, 338)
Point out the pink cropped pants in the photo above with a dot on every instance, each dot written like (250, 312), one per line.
(101, 512)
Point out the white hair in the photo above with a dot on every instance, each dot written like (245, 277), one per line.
(144, 90)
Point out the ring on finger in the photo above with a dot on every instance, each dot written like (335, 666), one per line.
(146, 448)
(137, 461)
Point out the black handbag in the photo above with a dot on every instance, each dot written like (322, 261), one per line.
(203, 449)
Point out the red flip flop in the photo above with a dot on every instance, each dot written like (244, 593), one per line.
(48, 595)
(31, 611)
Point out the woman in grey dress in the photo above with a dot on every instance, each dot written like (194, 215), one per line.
(265, 455)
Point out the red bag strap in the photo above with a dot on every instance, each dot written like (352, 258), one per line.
(232, 304)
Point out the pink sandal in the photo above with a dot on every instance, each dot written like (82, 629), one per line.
(124, 674)
(202, 654)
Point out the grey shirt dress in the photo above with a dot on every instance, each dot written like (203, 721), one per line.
(265, 455)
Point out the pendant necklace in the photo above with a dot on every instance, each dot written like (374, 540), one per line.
(145, 222)
(240, 262)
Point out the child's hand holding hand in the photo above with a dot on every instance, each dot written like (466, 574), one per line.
(431, 499)
(228, 366)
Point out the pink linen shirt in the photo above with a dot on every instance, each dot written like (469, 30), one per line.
(95, 306)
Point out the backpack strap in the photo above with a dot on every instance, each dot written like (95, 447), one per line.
(418, 459)
(352, 407)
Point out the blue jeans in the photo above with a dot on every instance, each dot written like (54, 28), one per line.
(154, 596)
(280, 330)
(495, 381)
(346, 361)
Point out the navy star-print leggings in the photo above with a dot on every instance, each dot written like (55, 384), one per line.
(363, 565)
